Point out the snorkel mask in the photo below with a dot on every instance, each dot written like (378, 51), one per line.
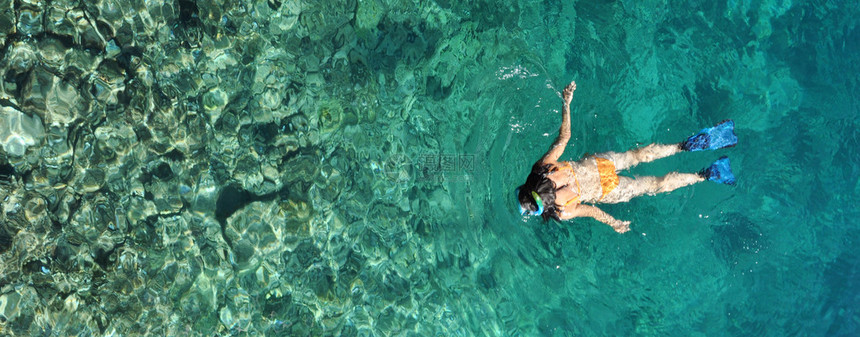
(538, 201)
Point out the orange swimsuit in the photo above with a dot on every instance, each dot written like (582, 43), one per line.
(608, 177)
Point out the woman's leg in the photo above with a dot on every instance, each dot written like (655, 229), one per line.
(629, 188)
(645, 154)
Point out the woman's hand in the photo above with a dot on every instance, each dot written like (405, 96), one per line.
(621, 226)
(567, 95)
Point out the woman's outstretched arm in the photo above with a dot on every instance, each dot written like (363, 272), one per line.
(560, 143)
(580, 210)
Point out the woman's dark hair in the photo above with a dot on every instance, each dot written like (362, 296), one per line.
(545, 188)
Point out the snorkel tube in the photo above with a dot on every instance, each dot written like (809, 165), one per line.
(538, 200)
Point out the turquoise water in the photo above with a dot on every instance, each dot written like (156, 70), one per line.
(310, 168)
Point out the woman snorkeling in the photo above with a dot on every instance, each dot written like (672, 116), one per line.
(559, 189)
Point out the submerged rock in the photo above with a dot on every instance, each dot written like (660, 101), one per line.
(30, 21)
(19, 131)
(20, 57)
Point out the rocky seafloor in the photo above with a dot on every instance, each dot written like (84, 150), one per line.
(229, 167)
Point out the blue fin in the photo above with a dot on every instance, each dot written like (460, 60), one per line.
(720, 171)
(720, 136)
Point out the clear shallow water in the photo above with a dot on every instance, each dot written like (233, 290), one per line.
(348, 168)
